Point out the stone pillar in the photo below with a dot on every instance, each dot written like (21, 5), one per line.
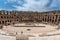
(1, 26)
(57, 19)
(2, 12)
(54, 19)
(7, 12)
(44, 18)
(49, 18)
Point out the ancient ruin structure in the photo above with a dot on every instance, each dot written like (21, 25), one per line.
(41, 23)
(11, 17)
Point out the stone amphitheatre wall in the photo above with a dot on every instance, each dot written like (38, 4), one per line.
(11, 17)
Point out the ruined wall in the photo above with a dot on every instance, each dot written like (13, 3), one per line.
(11, 17)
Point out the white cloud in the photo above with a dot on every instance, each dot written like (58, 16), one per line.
(33, 5)
(11, 0)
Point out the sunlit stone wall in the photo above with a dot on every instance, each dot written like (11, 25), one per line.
(11, 17)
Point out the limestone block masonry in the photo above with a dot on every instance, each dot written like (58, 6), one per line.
(12, 17)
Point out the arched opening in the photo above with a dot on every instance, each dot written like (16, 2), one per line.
(1, 16)
(2, 22)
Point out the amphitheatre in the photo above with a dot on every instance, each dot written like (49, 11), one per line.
(31, 24)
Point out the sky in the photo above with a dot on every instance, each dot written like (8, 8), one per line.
(30, 5)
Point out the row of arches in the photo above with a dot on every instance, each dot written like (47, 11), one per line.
(50, 18)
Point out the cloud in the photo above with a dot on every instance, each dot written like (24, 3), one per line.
(11, 0)
(40, 5)
(32, 5)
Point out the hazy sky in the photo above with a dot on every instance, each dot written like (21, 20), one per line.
(30, 5)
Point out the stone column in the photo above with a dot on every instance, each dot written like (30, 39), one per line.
(57, 19)
(2, 12)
